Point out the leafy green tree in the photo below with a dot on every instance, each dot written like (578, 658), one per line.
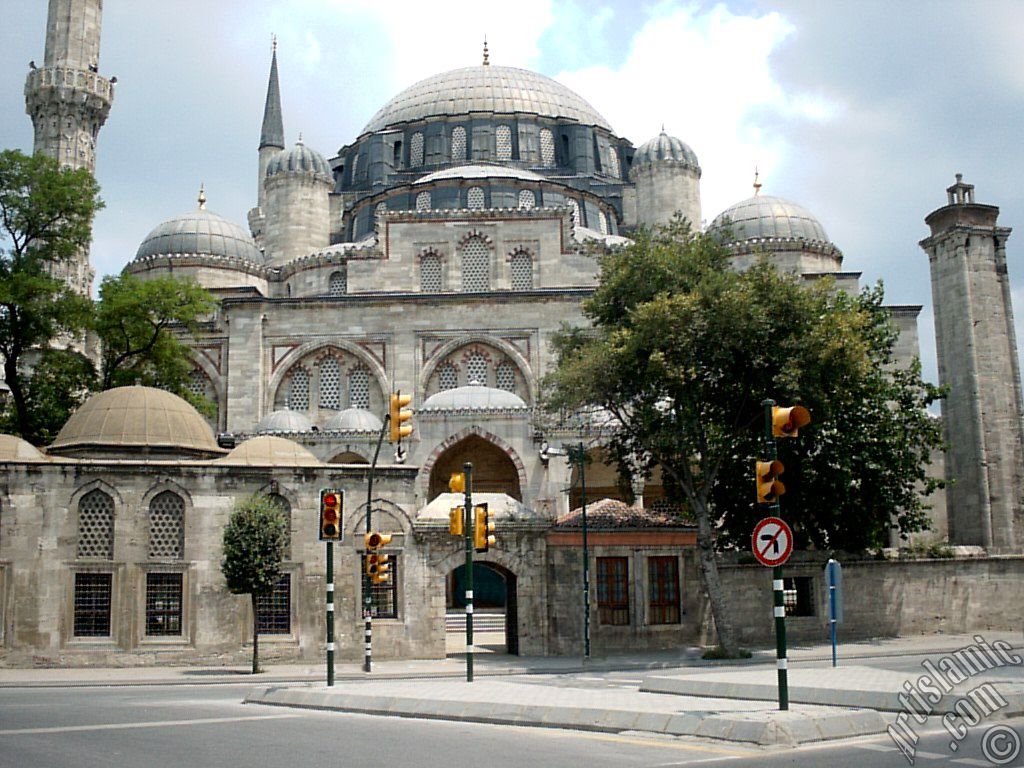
(254, 546)
(59, 381)
(681, 353)
(46, 215)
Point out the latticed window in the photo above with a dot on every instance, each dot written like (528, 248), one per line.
(274, 611)
(476, 265)
(423, 201)
(198, 384)
(298, 390)
(475, 198)
(166, 526)
(575, 212)
(613, 590)
(663, 584)
(282, 504)
(337, 285)
(503, 142)
(359, 388)
(476, 369)
(416, 150)
(547, 147)
(447, 377)
(384, 597)
(92, 604)
(505, 376)
(163, 604)
(527, 199)
(613, 163)
(96, 525)
(330, 384)
(459, 144)
(430, 274)
(521, 266)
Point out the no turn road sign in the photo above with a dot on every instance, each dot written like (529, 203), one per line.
(772, 541)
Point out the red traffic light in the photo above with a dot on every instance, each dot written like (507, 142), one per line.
(330, 515)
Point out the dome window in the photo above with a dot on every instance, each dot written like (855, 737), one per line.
(359, 389)
(430, 274)
(575, 212)
(547, 148)
(475, 198)
(416, 150)
(423, 201)
(447, 377)
(527, 199)
(602, 222)
(298, 391)
(505, 377)
(476, 266)
(503, 142)
(338, 283)
(382, 208)
(330, 384)
(614, 169)
(522, 272)
(459, 144)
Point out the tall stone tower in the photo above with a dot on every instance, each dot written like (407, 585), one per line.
(271, 144)
(68, 101)
(977, 351)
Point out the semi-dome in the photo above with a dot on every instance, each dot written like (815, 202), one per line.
(353, 420)
(200, 232)
(480, 171)
(665, 148)
(482, 89)
(474, 397)
(269, 451)
(133, 420)
(284, 421)
(764, 217)
(300, 159)
(13, 448)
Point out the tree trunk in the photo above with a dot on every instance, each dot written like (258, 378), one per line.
(14, 382)
(709, 572)
(255, 636)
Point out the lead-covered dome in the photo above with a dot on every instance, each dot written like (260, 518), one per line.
(474, 397)
(482, 89)
(269, 451)
(284, 421)
(764, 217)
(299, 159)
(353, 420)
(664, 148)
(200, 232)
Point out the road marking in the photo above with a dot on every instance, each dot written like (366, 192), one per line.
(972, 761)
(655, 742)
(153, 724)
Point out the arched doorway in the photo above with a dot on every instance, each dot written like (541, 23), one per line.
(493, 470)
(495, 608)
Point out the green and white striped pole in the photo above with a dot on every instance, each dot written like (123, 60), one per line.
(778, 602)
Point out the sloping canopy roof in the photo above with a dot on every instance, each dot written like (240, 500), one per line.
(270, 451)
(612, 513)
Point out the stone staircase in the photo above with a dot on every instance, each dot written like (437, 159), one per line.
(483, 621)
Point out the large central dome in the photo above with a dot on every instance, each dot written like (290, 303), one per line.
(485, 88)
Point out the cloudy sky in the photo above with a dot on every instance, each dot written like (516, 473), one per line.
(860, 111)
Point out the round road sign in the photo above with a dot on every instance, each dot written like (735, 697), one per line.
(772, 541)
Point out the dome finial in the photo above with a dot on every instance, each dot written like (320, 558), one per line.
(662, 127)
(487, 56)
(273, 43)
(757, 183)
(202, 197)
(300, 138)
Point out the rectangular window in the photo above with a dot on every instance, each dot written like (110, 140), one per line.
(613, 590)
(92, 604)
(274, 611)
(663, 583)
(384, 597)
(798, 595)
(163, 604)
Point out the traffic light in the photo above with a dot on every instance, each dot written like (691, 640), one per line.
(483, 529)
(457, 482)
(399, 415)
(455, 526)
(330, 514)
(378, 566)
(769, 487)
(786, 422)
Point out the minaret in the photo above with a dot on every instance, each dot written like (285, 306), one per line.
(68, 101)
(271, 143)
(977, 355)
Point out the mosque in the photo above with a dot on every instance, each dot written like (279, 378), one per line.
(435, 254)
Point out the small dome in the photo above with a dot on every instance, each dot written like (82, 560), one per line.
(284, 421)
(200, 232)
(475, 397)
(301, 159)
(480, 172)
(268, 451)
(13, 448)
(353, 420)
(134, 418)
(665, 148)
(764, 217)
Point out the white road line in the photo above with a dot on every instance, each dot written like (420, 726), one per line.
(973, 761)
(154, 724)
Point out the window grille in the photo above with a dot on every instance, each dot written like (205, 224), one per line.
(547, 147)
(330, 384)
(197, 384)
(459, 144)
(505, 376)
(613, 163)
(663, 586)
(416, 150)
(96, 525)
(475, 198)
(476, 266)
(447, 377)
(166, 526)
(503, 142)
(423, 201)
(575, 212)
(522, 271)
(338, 284)
(163, 604)
(281, 503)
(92, 604)
(476, 369)
(430, 274)
(359, 388)
(613, 590)
(798, 595)
(384, 597)
(298, 390)
(527, 199)
(274, 611)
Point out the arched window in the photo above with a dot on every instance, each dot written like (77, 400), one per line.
(281, 503)
(96, 525)
(575, 212)
(382, 207)
(423, 201)
(359, 388)
(503, 142)
(298, 390)
(458, 144)
(166, 526)
(547, 147)
(476, 265)
(447, 377)
(505, 376)
(527, 199)
(330, 384)
(475, 198)
(476, 369)
(613, 163)
(416, 150)
(396, 155)
(430, 273)
(602, 222)
(338, 283)
(522, 271)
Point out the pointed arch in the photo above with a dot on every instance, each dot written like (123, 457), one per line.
(513, 354)
(298, 355)
(427, 468)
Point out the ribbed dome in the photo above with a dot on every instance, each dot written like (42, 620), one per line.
(200, 232)
(765, 217)
(480, 172)
(474, 397)
(353, 420)
(299, 158)
(136, 418)
(501, 90)
(664, 147)
(284, 421)
(13, 448)
(268, 451)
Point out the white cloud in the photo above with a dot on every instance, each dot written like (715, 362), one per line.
(311, 55)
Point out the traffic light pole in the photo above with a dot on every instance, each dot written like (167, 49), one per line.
(330, 613)
(468, 530)
(778, 601)
(367, 597)
(578, 456)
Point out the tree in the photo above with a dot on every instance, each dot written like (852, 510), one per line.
(46, 215)
(681, 353)
(58, 383)
(254, 544)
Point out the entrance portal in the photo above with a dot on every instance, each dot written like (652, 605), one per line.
(495, 609)
(493, 470)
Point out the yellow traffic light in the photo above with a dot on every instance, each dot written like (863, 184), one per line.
(455, 526)
(375, 540)
(457, 482)
(786, 422)
(483, 529)
(399, 415)
(330, 514)
(769, 487)
(378, 567)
